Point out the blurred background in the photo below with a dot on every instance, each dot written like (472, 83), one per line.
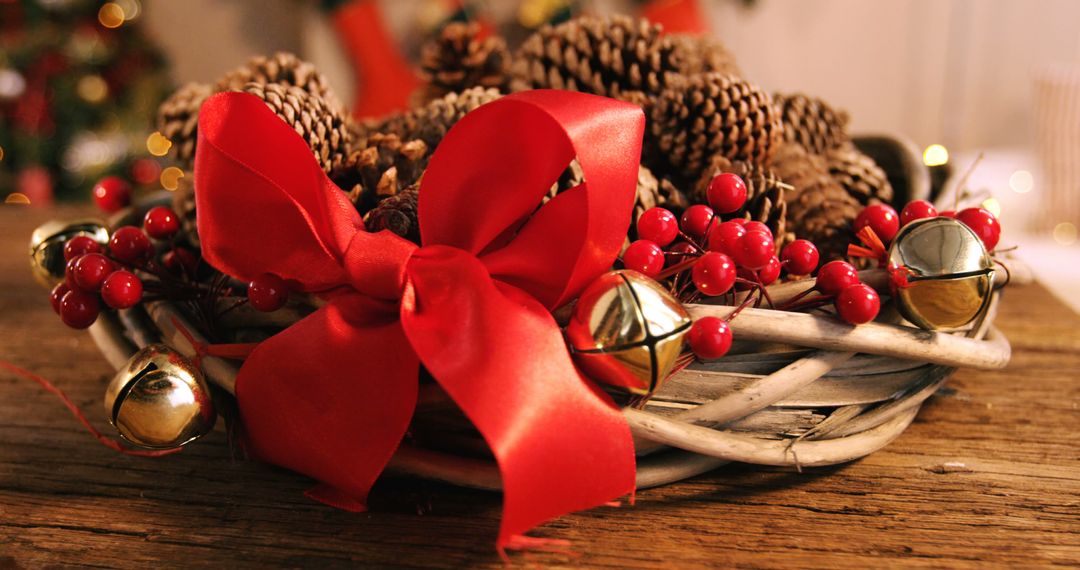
(79, 80)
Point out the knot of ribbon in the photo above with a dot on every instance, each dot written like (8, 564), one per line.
(874, 248)
(332, 395)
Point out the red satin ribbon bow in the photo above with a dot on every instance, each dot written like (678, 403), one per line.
(332, 395)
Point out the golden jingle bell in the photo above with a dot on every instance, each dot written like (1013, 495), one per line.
(950, 274)
(627, 331)
(160, 400)
(47, 246)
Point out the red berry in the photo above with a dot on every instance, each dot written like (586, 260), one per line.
(758, 226)
(267, 292)
(917, 210)
(161, 222)
(181, 261)
(645, 257)
(858, 304)
(835, 276)
(682, 250)
(112, 193)
(740, 221)
(709, 337)
(79, 245)
(57, 294)
(69, 272)
(91, 270)
(714, 274)
(145, 171)
(754, 250)
(726, 193)
(79, 309)
(658, 225)
(122, 290)
(800, 257)
(948, 214)
(983, 223)
(697, 220)
(881, 218)
(770, 273)
(130, 245)
(726, 236)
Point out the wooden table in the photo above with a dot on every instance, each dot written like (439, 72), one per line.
(989, 474)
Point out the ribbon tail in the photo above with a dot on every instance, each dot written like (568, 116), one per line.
(331, 397)
(561, 444)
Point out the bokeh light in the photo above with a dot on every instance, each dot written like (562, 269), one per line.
(130, 8)
(1021, 182)
(157, 144)
(17, 198)
(1, 153)
(111, 15)
(1065, 233)
(935, 155)
(92, 89)
(993, 206)
(170, 178)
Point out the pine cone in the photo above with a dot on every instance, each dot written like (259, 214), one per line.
(764, 194)
(703, 54)
(617, 57)
(818, 209)
(178, 119)
(398, 214)
(431, 122)
(714, 114)
(183, 203)
(323, 128)
(859, 175)
(282, 68)
(811, 122)
(458, 60)
(382, 166)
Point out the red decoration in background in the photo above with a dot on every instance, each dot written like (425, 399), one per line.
(677, 16)
(332, 395)
(384, 79)
(36, 183)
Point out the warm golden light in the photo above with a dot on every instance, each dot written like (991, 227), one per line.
(1021, 182)
(92, 89)
(1065, 233)
(993, 206)
(935, 155)
(130, 8)
(1, 153)
(170, 178)
(111, 15)
(157, 144)
(17, 198)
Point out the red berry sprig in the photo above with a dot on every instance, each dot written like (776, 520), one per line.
(709, 338)
(268, 292)
(658, 225)
(112, 194)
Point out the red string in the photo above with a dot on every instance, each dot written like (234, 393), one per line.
(106, 441)
(874, 249)
(203, 349)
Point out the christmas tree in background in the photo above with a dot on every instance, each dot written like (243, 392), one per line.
(79, 84)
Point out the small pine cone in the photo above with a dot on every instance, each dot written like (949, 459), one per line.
(764, 194)
(281, 68)
(398, 214)
(431, 122)
(178, 119)
(458, 60)
(811, 122)
(183, 203)
(323, 128)
(618, 57)
(382, 166)
(703, 54)
(714, 114)
(859, 175)
(818, 208)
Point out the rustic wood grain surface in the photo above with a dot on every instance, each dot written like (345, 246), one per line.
(989, 474)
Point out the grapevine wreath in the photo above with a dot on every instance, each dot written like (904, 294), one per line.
(604, 261)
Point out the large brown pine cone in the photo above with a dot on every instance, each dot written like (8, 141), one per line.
(703, 54)
(765, 199)
(457, 60)
(811, 122)
(431, 122)
(178, 120)
(398, 214)
(818, 208)
(322, 127)
(713, 114)
(617, 57)
(283, 68)
(859, 175)
(381, 166)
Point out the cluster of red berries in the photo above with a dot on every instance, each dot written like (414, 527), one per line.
(886, 223)
(97, 273)
(720, 256)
